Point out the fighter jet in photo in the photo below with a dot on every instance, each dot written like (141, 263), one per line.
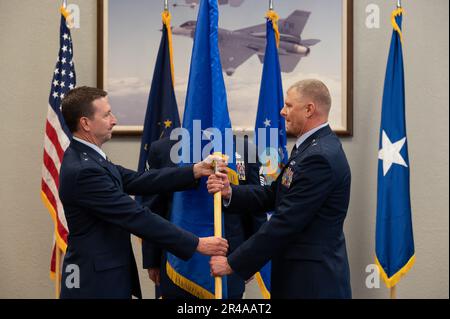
(236, 47)
(194, 3)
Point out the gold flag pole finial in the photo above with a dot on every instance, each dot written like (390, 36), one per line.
(273, 16)
(166, 17)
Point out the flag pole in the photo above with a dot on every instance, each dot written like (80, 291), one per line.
(57, 271)
(218, 233)
(394, 292)
(166, 5)
(270, 5)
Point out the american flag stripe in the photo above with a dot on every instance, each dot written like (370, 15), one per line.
(52, 203)
(52, 152)
(57, 138)
(51, 169)
(54, 121)
(50, 183)
(52, 136)
(53, 261)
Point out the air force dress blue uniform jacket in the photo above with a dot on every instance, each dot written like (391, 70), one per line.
(101, 216)
(304, 238)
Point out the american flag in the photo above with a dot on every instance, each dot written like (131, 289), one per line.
(57, 138)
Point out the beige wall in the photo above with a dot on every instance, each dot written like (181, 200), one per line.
(28, 47)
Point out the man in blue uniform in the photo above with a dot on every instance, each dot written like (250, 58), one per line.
(304, 237)
(238, 226)
(100, 213)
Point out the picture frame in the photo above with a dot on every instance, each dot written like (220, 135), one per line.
(128, 41)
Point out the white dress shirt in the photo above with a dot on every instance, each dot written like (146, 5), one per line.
(93, 146)
(305, 136)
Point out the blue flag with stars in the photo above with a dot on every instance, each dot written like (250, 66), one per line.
(205, 114)
(272, 153)
(162, 111)
(394, 235)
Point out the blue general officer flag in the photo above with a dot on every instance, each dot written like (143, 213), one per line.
(272, 152)
(206, 107)
(394, 234)
(162, 111)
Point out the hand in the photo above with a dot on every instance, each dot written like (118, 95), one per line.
(212, 246)
(219, 183)
(209, 166)
(219, 266)
(154, 275)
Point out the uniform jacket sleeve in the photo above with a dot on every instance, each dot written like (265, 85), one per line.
(97, 192)
(312, 182)
(153, 181)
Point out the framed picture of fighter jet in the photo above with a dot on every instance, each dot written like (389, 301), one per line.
(316, 42)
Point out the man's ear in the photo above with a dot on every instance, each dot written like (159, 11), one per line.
(84, 124)
(311, 108)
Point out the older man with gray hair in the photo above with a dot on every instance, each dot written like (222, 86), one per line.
(304, 237)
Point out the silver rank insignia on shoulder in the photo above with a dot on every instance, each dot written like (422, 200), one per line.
(84, 157)
(240, 168)
(287, 177)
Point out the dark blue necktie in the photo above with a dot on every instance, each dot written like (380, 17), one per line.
(294, 151)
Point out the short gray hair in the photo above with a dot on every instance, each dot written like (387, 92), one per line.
(315, 90)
